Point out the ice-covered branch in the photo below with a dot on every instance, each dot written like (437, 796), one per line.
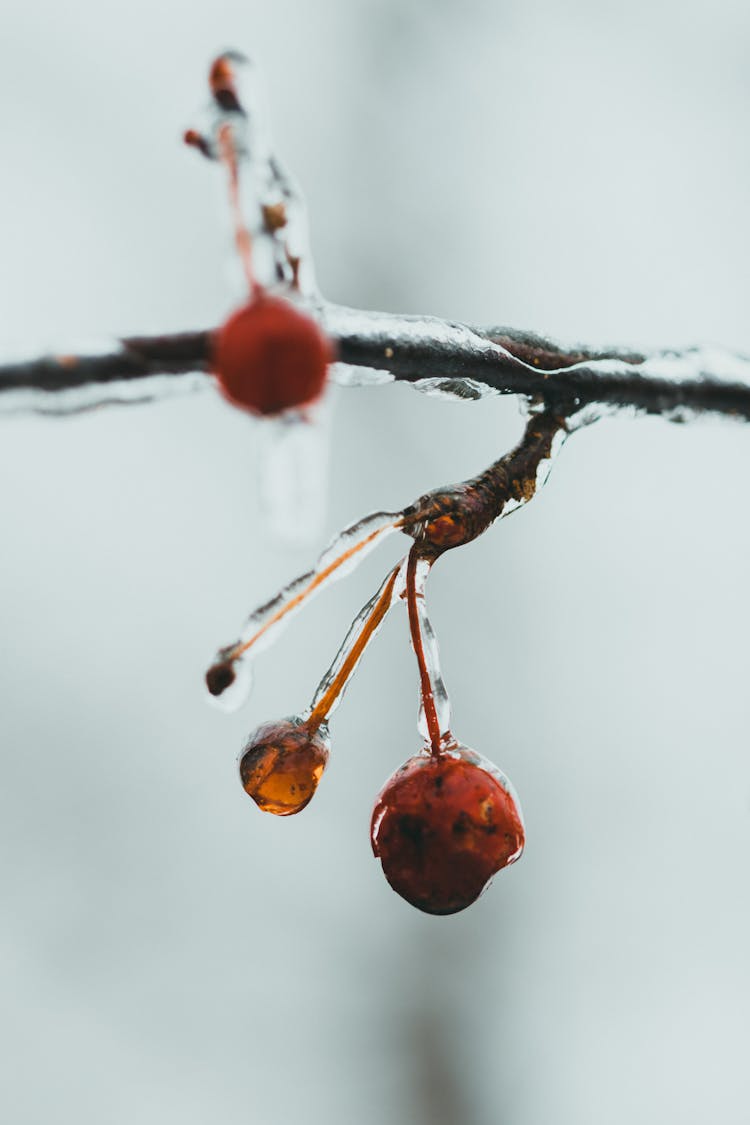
(271, 238)
(101, 372)
(372, 347)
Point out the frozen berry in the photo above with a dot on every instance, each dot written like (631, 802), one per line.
(282, 764)
(443, 826)
(220, 676)
(269, 356)
(222, 80)
(195, 139)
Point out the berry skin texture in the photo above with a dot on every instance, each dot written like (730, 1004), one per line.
(269, 357)
(442, 826)
(282, 764)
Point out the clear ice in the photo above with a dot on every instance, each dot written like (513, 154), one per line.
(432, 661)
(293, 476)
(238, 692)
(341, 557)
(352, 650)
(262, 182)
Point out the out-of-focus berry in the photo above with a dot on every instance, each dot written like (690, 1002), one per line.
(269, 357)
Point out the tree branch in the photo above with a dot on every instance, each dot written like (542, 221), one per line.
(433, 354)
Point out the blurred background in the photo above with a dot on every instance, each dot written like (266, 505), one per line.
(171, 955)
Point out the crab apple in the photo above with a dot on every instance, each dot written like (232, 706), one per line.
(282, 763)
(270, 356)
(443, 825)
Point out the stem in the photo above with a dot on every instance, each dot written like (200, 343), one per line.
(241, 233)
(317, 579)
(325, 704)
(428, 697)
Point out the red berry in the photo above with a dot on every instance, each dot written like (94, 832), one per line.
(443, 826)
(282, 764)
(269, 356)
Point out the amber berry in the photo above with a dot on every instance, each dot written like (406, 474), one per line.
(443, 826)
(282, 764)
(269, 357)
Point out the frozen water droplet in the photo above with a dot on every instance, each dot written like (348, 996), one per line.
(456, 390)
(346, 375)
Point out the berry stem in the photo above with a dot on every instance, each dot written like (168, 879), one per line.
(331, 691)
(352, 545)
(428, 696)
(242, 236)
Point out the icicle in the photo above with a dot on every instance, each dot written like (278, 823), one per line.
(363, 629)
(292, 476)
(432, 662)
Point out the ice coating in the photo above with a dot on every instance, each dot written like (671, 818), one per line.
(385, 334)
(446, 358)
(63, 383)
(389, 331)
(457, 390)
(93, 396)
(347, 375)
(282, 764)
(341, 557)
(432, 661)
(232, 128)
(364, 628)
(443, 826)
(375, 348)
(544, 465)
